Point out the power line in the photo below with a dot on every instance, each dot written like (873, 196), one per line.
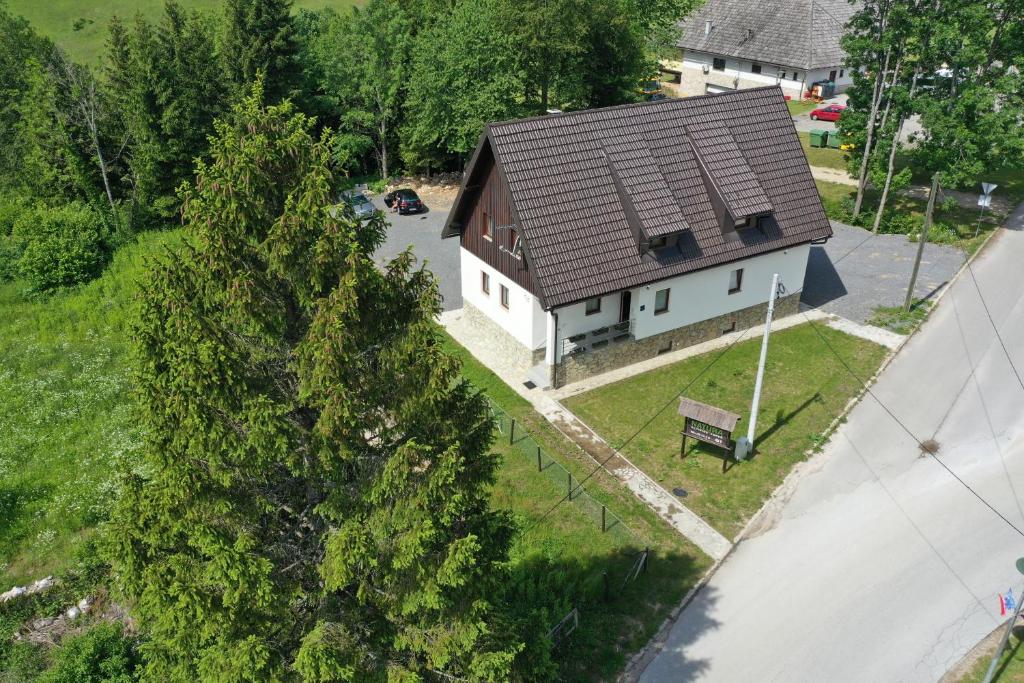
(615, 450)
(988, 313)
(906, 429)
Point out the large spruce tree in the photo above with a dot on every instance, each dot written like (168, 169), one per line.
(312, 503)
(260, 38)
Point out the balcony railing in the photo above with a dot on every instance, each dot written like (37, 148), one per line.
(597, 339)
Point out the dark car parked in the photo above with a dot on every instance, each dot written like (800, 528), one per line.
(407, 201)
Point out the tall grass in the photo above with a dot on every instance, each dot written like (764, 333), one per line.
(65, 412)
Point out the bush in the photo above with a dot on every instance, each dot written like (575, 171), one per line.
(11, 210)
(103, 654)
(59, 247)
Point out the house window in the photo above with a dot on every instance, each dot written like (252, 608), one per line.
(487, 226)
(485, 283)
(661, 301)
(513, 243)
(832, 75)
(782, 75)
(735, 280)
(840, 73)
(594, 305)
(755, 68)
(665, 347)
(718, 64)
(658, 242)
(731, 327)
(796, 75)
(504, 296)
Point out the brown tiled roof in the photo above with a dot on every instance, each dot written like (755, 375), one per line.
(560, 171)
(702, 412)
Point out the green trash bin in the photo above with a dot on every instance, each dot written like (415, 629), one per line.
(818, 137)
(833, 139)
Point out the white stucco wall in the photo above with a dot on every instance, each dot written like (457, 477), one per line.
(693, 297)
(738, 75)
(524, 319)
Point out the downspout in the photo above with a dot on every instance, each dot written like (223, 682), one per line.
(553, 348)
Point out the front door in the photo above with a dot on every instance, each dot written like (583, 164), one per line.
(624, 306)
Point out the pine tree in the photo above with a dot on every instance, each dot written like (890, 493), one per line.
(313, 498)
(259, 37)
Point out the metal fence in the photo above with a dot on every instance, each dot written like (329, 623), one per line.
(631, 557)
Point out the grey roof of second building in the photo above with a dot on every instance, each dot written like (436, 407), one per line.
(561, 181)
(796, 33)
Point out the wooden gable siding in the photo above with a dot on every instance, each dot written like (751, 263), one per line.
(493, 199)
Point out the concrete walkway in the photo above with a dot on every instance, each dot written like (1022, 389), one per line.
(667, 506)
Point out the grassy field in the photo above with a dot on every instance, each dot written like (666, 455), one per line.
(80, 26)
(800, 107)
(66, 423)
(804, 391)
(569, 542)
(1011, 665)
(824, 157)
(64, 414)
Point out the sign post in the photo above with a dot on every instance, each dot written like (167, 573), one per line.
(1009, 629)
(985, 202)
(707, 424)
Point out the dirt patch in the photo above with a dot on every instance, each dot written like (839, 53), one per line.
(437, 192)
(833, 175)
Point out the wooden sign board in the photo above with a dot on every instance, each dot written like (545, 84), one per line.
(707, 424)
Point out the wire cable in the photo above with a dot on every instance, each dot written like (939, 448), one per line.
(988, 313)
(615, 450)
(868, 391)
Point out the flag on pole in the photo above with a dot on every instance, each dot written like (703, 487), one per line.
(1008, 602)
(1002, 606)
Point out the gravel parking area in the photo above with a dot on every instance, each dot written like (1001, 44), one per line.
(855, 272)
(422, 232)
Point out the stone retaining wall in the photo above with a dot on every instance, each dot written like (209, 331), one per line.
(517, 357)
(575, 368)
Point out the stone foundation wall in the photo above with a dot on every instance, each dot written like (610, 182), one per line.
(517, 356)
(574, 368)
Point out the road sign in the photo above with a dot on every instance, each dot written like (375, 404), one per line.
(985, 201)
(987, 188)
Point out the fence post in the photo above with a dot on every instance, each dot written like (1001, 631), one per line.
(570, 484)
(604, 510)
(605, 574)
(540, 468)
(512, 431)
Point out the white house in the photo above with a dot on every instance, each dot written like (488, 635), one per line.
(734, 44)
(595, 239)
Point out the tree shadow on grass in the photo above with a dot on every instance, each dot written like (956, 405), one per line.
(620, 605)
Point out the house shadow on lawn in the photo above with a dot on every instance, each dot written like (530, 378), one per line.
(822, 282)
(619, 606)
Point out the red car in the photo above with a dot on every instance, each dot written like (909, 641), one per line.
(830, 113)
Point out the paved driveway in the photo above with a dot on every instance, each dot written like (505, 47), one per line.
(856, 271)
(883, 566)
(422, 232)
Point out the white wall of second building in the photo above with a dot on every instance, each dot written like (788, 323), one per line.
(692, 297)
(697, 72)
(524, 319)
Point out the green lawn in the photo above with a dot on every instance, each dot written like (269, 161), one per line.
(57, 19)
(804, 390)
(952, 226)
(570, 544)
(1011, 664)
(64, 414)
(824, 157)
(797, 107)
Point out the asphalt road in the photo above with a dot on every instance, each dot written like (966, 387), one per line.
(882, 566)
(857, 271)
(422, 233)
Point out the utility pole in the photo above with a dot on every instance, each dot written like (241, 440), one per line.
(923, 238)
(745, 445)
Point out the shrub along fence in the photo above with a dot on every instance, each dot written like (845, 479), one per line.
(623, 566)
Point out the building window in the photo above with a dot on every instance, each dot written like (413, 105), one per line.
(731, 327)
(487, 226)
(665, 347)
(504, 296)
(485, 283)
(718, 64)
(840, 73)
(658, 242)
(782, 75)
(594, 305)
(735, 280)
(661, 301)
(755, 68)
(796, 75)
